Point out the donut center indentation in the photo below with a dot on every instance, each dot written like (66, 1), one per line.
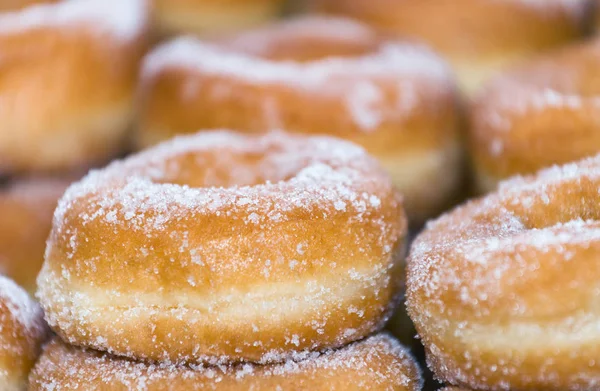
(229, 168)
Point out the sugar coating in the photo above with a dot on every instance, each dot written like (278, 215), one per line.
(559, 81)
(266, 189)
(22, 310)
(378, 363)
(309, 183)
(121, 19)
(485, 273)
(354, 79)
(22, 332)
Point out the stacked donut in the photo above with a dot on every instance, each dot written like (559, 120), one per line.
(315, 75)
(479, 37)
(503, 289)
(67, 81)
(230, 261)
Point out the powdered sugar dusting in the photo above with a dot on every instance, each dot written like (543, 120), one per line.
(191, 53)
(377, 362)
(358, 80)
(122, 19)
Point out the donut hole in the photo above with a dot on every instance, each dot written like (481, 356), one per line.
(307, 40)
(228, 168)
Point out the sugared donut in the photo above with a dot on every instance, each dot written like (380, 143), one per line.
(503, 289)
(479, 37)
(22, 333)
(377, 363)
(68, 72)
(316, 75)
(539, 114)
(209, 16)
(26, 209)
(223, 247)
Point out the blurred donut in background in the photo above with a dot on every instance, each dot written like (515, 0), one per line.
(26, 209)
(11, 5)
(67, 77)
(479, 37)
(541, 113)
(316, 75)
(209, 16)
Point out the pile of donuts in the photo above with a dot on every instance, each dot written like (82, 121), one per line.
(300, 195)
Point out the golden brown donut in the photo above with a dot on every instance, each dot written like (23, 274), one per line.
(22, 332)
(502, 289)
(479, 37)
(208, 16)
(539, 114)
(316, 75)
(67, 77)
(221, 246)
(377, 363)
(26, 209)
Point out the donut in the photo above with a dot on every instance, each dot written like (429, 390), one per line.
(479, 37)
(68, 78)
(316, 76)
(26, 209)
(221, 247)
(501, 289)
(536, 115)
(22, 333)
(210, 16)
(377, 363)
